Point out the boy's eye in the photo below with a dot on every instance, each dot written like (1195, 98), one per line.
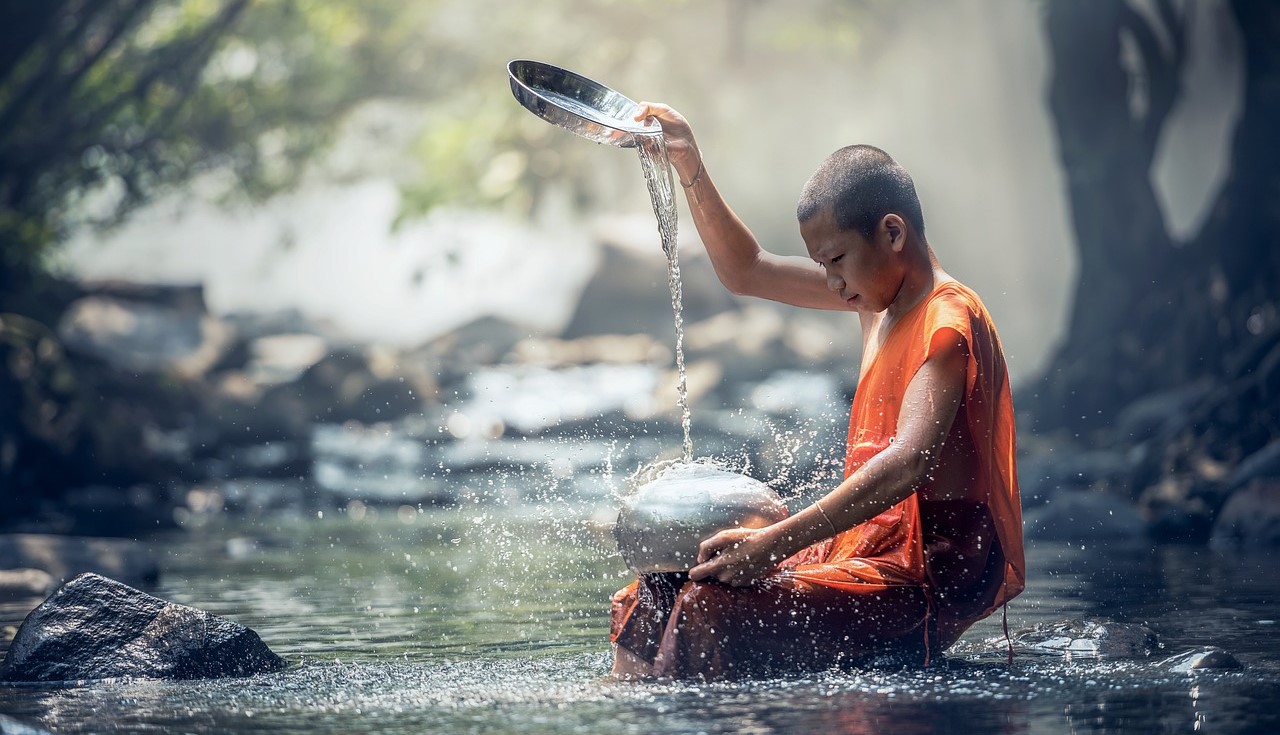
(836, 259)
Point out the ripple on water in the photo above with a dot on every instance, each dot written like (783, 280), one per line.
(568, 692)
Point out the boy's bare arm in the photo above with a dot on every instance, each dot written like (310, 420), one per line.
(740, 556)
(741, 264)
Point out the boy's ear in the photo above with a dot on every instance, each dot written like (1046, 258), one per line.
(894, 230)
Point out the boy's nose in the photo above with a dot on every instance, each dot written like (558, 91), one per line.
(834, 282)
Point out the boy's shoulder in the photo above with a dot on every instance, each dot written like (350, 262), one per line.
(955, 305)
(952, 300)
(953, 290)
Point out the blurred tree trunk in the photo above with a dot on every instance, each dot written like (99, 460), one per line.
(1152, 314)
(1242, 234)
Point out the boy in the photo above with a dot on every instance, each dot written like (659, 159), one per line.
(924, 536)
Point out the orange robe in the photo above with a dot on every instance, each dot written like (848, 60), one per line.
(909, 581)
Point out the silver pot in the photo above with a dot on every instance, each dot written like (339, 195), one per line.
(577, 104)
(663, 521)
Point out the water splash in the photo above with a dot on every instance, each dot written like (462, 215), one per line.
(657, 176)
(647, 473)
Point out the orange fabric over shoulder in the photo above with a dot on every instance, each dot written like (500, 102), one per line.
(920, 566)
(889, 548)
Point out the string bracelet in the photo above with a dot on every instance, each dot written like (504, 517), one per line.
(697, 175)
(818, 504)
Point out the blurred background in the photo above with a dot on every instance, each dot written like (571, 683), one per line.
(373, 240)
(336, 340)
(288, 252)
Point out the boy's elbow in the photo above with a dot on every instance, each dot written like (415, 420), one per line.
(738, 281)
(737, 286)
(733, 282)
(922, 464)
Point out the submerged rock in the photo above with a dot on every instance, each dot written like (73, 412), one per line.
(1090, 638)
(98, 628)
(1209, 657)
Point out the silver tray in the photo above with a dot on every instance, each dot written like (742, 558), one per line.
(577, 104)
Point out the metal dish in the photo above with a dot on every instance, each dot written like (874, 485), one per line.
(661, 524)
(577, 104)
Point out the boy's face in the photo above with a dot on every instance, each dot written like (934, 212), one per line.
(867, 274)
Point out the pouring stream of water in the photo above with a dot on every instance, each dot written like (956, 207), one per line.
(657, 175)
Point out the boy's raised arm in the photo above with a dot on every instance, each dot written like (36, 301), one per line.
(741, 264)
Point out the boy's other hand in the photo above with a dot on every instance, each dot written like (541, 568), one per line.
(736, 557)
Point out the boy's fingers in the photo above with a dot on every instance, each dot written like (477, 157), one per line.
(646, 110)
(708, 548)
(657, 110)
(703, 571)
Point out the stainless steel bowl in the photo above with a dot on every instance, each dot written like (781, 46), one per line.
(663, 521)
(577, 104)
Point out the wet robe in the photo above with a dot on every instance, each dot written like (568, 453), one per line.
(907, 582)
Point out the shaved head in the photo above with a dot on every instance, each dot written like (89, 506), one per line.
(862, 184)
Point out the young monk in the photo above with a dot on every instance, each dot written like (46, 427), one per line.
(924, 535)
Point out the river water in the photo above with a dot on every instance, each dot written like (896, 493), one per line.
(487, 619)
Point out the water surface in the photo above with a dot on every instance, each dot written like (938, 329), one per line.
(479, 619)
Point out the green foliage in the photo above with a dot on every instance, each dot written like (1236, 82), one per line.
(106, 103)
(122, 98)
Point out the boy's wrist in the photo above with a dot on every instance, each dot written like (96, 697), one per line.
(689, 182)
(786, 537)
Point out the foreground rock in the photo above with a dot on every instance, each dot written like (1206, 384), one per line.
(98, 628)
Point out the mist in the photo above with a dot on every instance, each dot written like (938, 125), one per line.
(954, 91)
